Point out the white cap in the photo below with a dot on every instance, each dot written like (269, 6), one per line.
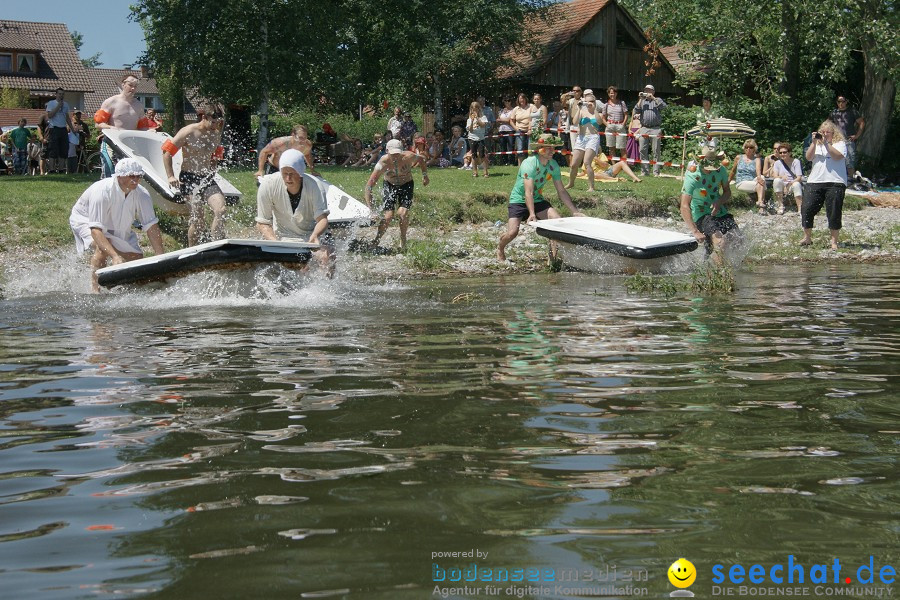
(394, 147)
(128, 166)
(650, 87)
(292, 159)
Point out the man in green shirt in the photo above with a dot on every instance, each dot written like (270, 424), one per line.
(526, 201)
(703, 204)
(19, 138)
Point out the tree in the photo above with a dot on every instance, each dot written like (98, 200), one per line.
(244, 51)
(787, 52)
(91, 62)
(436, 50)
(13, 98)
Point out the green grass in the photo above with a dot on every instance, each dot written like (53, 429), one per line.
(34, 211)
(705, 279)
(426, 255)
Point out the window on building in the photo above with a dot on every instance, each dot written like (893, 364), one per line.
(25, 63)
(593, 37)
(5, 61)
(625, 39)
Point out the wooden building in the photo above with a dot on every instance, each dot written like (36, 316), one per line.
(591, 43)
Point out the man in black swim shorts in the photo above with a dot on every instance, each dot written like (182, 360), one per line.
(396, 166)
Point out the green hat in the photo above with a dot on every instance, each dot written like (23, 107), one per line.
(546, 140)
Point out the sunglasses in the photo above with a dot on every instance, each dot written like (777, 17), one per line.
(783, 152)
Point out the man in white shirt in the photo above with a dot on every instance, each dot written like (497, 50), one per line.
(292, 204)
(102, 219)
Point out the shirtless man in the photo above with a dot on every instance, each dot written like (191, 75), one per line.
(202, 152)
(298, 140)
(122, 111)
(396, 166)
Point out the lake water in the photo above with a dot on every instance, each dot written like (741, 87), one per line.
(328, 440)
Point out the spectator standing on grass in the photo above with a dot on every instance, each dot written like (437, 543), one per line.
(82, 129)
(60, 126)
(632, 147)
(614, 114)
(408, 130)
(521, 119)
(18, 138)
(395, 122)
(476, 125)
(488, 112)
(506, 132)
(587, 142)
(851, 125)
(651, 109)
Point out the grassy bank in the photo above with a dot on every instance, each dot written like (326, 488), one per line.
(34, 211)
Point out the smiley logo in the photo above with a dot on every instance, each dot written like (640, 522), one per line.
(682, 573)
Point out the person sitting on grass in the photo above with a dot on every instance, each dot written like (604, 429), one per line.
(786, 175)
(371, 154)
(436, 150)
(356, 154)
(703, 205)
(102, 219)
(526, 201)
(603, 171)
(457, 148)
(748, 175)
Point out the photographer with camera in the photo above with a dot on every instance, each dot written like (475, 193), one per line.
(650, 108)
(826, 183)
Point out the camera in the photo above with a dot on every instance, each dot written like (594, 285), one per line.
(642, 95)
(817, 135)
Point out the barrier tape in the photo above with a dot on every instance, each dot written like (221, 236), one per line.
(613, 133)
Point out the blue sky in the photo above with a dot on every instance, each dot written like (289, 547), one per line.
(104, 25)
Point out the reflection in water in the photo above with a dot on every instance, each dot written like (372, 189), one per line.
(327, 440)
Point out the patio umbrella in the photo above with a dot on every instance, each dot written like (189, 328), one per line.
(722, 128)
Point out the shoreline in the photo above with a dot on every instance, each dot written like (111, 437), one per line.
(870, 235)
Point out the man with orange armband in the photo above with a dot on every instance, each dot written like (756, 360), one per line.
(122, 111)
(201, 144)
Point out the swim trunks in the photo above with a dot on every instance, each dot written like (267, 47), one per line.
(395, 195)
(199, 186)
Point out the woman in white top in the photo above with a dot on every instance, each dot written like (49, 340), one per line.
(539, 114)
(587, 142)
(476, 124)
(787, 173)
(826, 183)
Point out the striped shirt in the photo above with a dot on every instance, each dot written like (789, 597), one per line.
(614, 113)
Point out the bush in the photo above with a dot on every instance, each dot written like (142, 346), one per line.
(343, 123)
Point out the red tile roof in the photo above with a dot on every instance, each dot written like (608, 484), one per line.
(58, 62)
(673, 55)
(564, 21)
(107, 82)
(11, 116)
